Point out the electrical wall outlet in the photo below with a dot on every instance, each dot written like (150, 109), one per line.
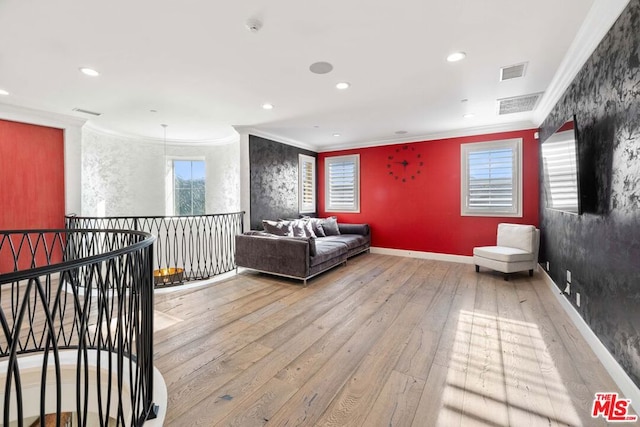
(567, 289)
(578, 299)
(547, 265)
(568, 276)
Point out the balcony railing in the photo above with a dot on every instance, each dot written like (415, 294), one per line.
(188, 248)
(76, 327)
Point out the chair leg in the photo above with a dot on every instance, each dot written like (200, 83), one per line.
(530, 273)
(477, 268)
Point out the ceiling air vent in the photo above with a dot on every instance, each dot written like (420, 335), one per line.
(512, 71)
(518, 104)
(93, 113)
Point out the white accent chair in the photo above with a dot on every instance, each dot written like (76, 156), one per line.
(516, 250)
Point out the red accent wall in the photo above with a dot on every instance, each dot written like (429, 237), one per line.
(423, 214)
(31, 176)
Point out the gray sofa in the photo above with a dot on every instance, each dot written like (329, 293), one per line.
(300, 257)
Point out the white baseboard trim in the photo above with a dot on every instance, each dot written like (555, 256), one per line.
(423, 255)
(624, 382)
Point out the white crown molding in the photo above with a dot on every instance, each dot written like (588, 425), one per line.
(463, 259)
(277, 138)
(479, 130)
(39, 117)
(160, 141)
(458, 133)
(621, 378)
(599, 20)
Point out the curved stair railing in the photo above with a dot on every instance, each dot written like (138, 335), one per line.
(199, 246)
(76, 327)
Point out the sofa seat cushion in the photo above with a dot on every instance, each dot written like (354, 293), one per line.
(503, 253)
(326, 250)
(351, 241)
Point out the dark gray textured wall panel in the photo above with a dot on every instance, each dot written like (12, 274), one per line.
(273, 179)
(601, 248)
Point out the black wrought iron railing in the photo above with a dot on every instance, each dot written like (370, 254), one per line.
(193, 247)
(76, 327)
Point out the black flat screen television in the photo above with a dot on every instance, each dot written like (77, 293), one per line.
(560, 166)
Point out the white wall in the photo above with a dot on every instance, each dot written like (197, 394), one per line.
(125, 176)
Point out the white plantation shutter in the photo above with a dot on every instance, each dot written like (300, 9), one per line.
(342, 186)
(491, 178)
(307, 183)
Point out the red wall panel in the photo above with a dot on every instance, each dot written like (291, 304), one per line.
(423, 213)
(31, 176)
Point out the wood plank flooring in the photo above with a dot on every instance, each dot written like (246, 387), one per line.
(383, 341)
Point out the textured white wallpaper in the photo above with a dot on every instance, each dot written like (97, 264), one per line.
(124, 176)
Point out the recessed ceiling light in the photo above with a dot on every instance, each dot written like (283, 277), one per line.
(469, 115)
(320, 67)
(343, 85)
(89, 72)
(267, 106)
(336, 134)
(253, 25)
(3, 92)
(456, 56)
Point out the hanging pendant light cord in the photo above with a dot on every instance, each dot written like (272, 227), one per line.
(165, 139)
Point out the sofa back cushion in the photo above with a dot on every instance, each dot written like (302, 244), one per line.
(291, 228)
(517, 236)
(316, 226)
(279, 228)
(330, 226)
(302, 228)
(258, 233)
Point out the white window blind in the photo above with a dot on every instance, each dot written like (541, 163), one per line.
(342, 183)
(307, 183)
(491, 178)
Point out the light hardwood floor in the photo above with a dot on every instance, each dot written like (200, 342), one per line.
(383, 341)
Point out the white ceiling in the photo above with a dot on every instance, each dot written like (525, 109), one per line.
(196, 63)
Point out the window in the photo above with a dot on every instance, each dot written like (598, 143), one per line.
(307, 183)
(342, 183)
(491, 178)
(188, 187)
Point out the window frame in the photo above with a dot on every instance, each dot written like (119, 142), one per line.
(517, 187)
(328, 161)
(170, 201)
(303, 207)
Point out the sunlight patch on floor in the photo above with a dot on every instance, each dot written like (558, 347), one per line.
(162, 320)
(501, 374)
